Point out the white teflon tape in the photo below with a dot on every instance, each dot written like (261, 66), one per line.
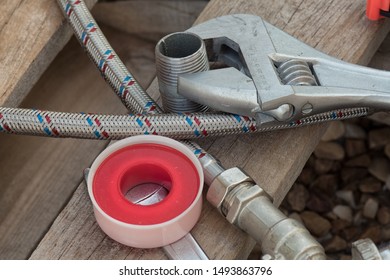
(107, 199)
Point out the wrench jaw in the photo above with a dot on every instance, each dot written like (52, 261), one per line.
(242, 42)
(226, 90)
(340, 86)
(278, 80)
(251, 85)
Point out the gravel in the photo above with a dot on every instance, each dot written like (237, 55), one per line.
(343, 192)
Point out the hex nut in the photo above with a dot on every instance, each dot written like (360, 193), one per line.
(365, 249)
(241, 199)
(224, 183)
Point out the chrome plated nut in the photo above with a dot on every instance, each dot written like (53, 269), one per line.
(365, 249)
(241, 198)
(224, 183)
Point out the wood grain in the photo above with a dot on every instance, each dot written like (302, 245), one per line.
(151, 16)
(31, 35)
(274, 159)
(39, 175)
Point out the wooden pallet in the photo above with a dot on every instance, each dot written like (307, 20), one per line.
(42, 178)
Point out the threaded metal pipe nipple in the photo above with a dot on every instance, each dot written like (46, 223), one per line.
(176, 54)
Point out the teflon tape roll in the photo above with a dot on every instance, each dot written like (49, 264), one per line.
(142, 160)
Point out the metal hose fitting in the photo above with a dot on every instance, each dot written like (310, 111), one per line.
(179, 53)
(248, 206)
(384, 250)
(365, 249)
(211, 168)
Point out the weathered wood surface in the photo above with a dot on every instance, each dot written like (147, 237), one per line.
(149, 16)
(31, 35)
(39, 175)
(274, 159)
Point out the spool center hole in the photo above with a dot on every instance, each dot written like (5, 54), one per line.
(145, 184)
(147, 194)
(179, 45)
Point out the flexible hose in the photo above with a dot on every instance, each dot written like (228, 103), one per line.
(79, 125)
(190, 126)
(179, 126)
(56, 124)
(104, 57)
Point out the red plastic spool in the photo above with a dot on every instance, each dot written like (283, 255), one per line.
(145, 163)
(134, 162)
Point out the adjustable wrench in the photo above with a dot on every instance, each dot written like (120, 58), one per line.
(278, 80)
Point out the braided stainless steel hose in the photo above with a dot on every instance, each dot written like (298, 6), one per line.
(80, 125)
(104, 57)
(179, 126)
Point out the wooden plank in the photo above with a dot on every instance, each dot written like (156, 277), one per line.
(31, 35)
(152, 16)
(274, 159)
(39, 175)
(23, 220)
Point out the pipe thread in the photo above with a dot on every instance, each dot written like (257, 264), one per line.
(177, 54)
